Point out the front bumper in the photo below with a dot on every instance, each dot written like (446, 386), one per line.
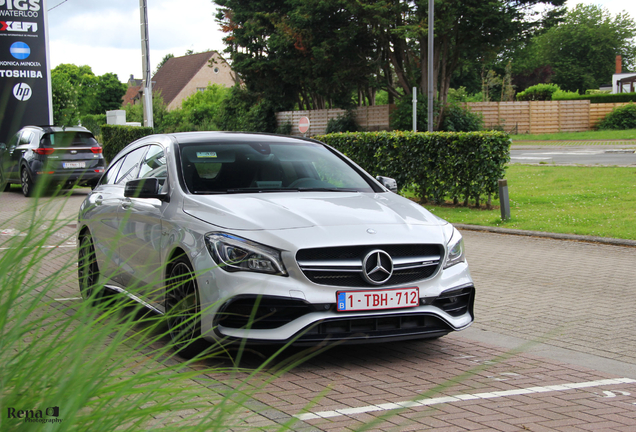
(279, 320)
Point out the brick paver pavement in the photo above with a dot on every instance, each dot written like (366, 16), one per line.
(573, 298)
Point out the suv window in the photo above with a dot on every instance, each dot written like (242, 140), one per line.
(26, 137)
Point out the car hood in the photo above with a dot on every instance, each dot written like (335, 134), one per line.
(273, 211)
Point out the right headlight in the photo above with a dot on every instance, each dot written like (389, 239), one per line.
(234, 253)
(454, 249)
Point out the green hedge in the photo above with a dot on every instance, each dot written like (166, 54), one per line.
(116, 137)
(440, 165)
(604, 97)
(93, 122)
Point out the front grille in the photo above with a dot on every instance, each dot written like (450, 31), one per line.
(394, 326)
(343, 266)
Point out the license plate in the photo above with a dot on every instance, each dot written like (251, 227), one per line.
(74, 165)
(378, 299)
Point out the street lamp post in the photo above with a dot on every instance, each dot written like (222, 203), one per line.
(145, 58)
(431, 90)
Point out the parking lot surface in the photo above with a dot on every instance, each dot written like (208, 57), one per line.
(552, 347)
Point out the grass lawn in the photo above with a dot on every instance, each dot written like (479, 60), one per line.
(597, 201)
(578, 136)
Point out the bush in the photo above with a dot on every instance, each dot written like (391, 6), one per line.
(620, 118)
(402, 115)
(461, 119)
(344, 123)
(602, 97)
(539, 92)
(117, 137)
(439, 165)
(93, 122)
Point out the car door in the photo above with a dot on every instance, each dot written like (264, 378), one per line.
(103, 210)
(141, 228)
(15, 149)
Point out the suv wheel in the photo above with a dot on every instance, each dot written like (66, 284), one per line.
(26, 182)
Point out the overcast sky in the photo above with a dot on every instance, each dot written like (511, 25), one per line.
(105, 34)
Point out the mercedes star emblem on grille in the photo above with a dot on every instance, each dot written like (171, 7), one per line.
(377, 267)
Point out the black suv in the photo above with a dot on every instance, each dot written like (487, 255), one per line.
(52, 154)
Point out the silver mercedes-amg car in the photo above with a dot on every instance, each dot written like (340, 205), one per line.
(269, 239)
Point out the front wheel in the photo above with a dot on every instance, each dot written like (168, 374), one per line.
(26, 182)
(88, 270)
(183, 309)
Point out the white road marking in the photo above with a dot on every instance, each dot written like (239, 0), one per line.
(68, 299)
(577, 152)
(529, 158)
(461, 397)
(43, 247)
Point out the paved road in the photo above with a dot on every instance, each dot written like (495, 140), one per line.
(552, 349)
(609, 155)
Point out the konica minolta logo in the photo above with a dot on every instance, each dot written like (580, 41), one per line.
(49, 415)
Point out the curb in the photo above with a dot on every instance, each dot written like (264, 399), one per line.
(556, 236)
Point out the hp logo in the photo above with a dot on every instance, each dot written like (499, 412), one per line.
(22, 92)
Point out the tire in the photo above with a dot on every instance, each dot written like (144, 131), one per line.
(26, 182)
(88, 271)
(4, 184)
(183, 309)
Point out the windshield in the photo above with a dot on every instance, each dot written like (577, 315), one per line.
(266, 167)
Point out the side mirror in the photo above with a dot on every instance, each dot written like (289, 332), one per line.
(145, 188)
(388, 183)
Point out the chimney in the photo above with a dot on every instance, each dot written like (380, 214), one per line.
(619, 66)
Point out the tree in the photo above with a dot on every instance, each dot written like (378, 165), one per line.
(95, 94)
(65, 109)
(318, 53)
(309, 54)
(582, 50)
(108, 93)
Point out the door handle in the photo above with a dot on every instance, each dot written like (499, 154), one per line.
(99, 200)
(126, 204)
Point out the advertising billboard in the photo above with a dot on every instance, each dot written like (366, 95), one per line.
(25, 82)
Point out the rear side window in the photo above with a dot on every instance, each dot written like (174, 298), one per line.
(68, 139)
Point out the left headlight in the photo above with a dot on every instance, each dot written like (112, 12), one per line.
(454, 249)
(233, 253)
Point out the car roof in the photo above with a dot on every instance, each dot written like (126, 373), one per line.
(51, 129)
(236, 137)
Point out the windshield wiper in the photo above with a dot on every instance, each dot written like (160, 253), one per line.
(257, 190)
(322, 189)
